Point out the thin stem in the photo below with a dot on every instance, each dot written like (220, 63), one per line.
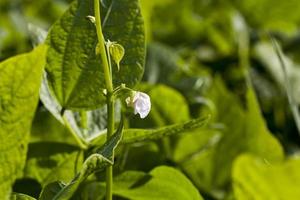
(109, 86)
(110, 128)
(109, 60)
(101, 46)
(75, 136)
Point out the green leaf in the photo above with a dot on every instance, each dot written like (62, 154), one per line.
(255, 178)
(117, 52)
(20, 78)
(74, 71)
(90, 190)
(50, 161)
(256, 15)
(160, 184)
(45, 128)
(141, 135)
(244, 131)
(94, 120)
(18, 196)
(197, 143)
(95, 162)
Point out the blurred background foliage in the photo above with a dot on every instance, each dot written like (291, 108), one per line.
(203, 56)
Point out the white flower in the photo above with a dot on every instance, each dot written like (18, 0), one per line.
(140, 102)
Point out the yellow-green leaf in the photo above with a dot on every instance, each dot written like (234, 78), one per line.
(20, 79)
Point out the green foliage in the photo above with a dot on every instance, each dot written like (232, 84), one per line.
(20, 79)
(241, 123)
(165, 104)
(161, 183)
(74, 71)
(17, 196)
(141, 135)
(50, 161)
(255, 178)
(221, 99)
(95, 162)
(256, 14)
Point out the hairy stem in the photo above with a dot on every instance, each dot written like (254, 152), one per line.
(109, 87)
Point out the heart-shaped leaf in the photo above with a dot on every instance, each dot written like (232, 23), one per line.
(75, 73)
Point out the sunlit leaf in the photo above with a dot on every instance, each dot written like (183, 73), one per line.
(256, 178)
(160, 184)
(20, 78)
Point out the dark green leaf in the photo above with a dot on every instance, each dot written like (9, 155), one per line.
(74, 71)
(86, 124)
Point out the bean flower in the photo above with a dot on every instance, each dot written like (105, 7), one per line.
(140, 102)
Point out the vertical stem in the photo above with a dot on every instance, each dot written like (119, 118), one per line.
(110, 128)
(101, 47)
(109, 87)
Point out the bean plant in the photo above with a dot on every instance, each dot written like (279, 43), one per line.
(84, 72)
(149, 100)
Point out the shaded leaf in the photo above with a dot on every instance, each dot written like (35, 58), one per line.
(49, 161)
(95, 162)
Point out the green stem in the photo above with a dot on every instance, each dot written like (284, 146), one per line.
(109, 87)
(110, 128)
(81, 144)
(101, 46)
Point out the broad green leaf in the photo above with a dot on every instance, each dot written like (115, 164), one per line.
(49, 161)
(141, 135)
(94, 121)
(197, 143)
(74, 71)
(20, 78)
(45, 128)
(18, 196)
(95, 162)
(244, 131)
(160, 184)
(257, 179)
